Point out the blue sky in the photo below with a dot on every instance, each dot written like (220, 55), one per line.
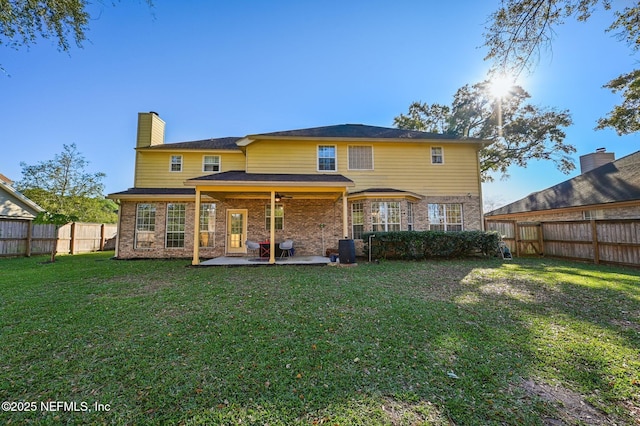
(232, 68)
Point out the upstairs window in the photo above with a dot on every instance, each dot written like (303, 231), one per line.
(437, 155)
(327, 158)
(176, 163)
(360, 158)
(211, 163)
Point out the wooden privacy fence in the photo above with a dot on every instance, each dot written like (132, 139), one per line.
(23, 238)
(600, 241)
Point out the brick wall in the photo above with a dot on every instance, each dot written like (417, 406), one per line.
(302, 220)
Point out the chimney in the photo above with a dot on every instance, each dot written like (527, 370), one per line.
(596, 159)
(150, 130)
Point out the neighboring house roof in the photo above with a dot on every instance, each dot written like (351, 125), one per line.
(618, 181)
(240, 176)
(15, 205)
(5, 179)
(357, 131)
(228, 143)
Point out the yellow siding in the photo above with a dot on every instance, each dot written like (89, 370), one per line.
(150, 130)
(404, 166)
(152, 167)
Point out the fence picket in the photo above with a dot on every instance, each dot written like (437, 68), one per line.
(22, 238)
(600, 241)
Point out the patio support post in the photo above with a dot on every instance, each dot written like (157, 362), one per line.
(196, 230)
(272, 230)
(345, 216)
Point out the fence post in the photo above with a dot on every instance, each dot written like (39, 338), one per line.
(102, 232)
(29, 236)
(516, 236)
(540, 239)
(72, 241)
(594, 237)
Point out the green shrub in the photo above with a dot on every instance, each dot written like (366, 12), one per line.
(419, 245)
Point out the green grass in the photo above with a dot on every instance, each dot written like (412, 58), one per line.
(448, 342)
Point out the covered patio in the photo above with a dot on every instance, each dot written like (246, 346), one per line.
(238, 188)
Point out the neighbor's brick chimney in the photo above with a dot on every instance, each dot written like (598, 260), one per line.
(150, 130)
(596, 159)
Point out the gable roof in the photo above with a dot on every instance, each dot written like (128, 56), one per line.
(358, 131)
(15, 205)
(617, 181)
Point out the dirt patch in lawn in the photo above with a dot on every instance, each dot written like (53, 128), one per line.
(571, 408)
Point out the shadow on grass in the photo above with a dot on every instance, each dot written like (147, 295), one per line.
(395, 343)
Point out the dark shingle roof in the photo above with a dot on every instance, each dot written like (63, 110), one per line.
(240, 176)
(359, 131)
(155, 191)
(219, 143)
(613, 182)
(380, 190)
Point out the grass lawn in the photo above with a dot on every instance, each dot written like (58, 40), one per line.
(471, 342)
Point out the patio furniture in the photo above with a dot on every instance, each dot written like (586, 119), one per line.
(265, 248)
(253, 246)
(287, 248)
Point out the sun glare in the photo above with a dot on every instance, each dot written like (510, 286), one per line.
(500, 86)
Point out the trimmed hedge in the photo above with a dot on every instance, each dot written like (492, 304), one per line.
(420, 245)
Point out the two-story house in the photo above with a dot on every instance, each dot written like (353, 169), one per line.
(206, 198)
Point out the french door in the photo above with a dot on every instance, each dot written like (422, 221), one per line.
(236, 231)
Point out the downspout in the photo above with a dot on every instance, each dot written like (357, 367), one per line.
(345, 216)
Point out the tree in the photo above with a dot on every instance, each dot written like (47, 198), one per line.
(520, 29)
(520, 131)
(63, 186)
(22, 22)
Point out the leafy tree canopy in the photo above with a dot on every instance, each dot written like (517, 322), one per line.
(520, 131)
(24, 22)
(63, 186)
(520, 29)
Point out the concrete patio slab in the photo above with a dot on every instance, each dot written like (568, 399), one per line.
(253, 261)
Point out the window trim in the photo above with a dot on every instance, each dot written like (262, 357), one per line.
(219, 163)
(349, 157)
(171, 163)
(335, 158)
(386, 222)
(154, 209)
(446, 224)
(441, 155)
(410, 216)
(214, 208)
(267, 216)
(184, 227)
(353, 222)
